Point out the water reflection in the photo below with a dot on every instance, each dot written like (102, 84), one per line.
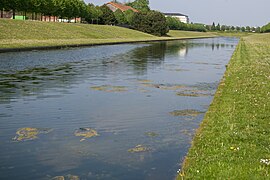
(32, 81)
(54, 89)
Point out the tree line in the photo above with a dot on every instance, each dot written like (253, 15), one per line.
(266, 28)
(176, 24)
(145, 20)
(219, 27)
(61, 8)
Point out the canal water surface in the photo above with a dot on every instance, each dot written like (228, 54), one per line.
(141, 102)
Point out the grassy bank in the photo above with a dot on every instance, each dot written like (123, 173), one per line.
(22, 34)
(233, 141)
(233, 34)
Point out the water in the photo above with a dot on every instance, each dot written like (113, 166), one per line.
(54, 89)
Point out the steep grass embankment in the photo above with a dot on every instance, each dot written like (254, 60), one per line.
(233, 141)
(31, 34)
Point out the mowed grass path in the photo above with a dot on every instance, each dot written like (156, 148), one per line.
(21, 34)
(233, 141)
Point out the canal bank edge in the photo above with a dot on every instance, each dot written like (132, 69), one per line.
(233, 139)
(159, 39)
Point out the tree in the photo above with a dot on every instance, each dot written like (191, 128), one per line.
(129, 16)
(213, 27)
(3, 6)
(94, 14)
(208, 27)
(232, 28)
(243, 29)
(223, 28)
(258, 29)
(141, 5)
(13, 5)
(173, 23)
(265, 28)
(238, 28)
(248, 28)
(107, 17)
(152, 22)
(120, 17)
(218, 27)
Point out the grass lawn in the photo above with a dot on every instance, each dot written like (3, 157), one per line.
(21, 34)
(233, 141)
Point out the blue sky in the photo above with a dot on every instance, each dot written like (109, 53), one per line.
(229, 12)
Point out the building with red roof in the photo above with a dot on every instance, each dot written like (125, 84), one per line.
(115, 6)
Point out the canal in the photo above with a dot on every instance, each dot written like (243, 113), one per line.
(106, 112)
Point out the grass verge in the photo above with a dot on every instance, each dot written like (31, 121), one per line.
(28, 34)
(233, 141)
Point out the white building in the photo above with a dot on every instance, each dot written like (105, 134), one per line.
(183, 18)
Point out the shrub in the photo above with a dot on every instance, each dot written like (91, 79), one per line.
(152, 22)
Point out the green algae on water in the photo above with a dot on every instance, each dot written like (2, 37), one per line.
(30, 133)
(139, 148)
(186, 112)
(193, 94)
(86, 133)
(67, 177)
(109, 88)
(151, 134)
(165, 86)
(144, 81)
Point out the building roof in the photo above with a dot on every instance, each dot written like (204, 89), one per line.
(122, 7)
(174, 14)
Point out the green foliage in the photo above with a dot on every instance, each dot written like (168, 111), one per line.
(141, 5)
(213, 27)
(173, 23)
(195, 27)
(151, 22)
(258, 29)
(120, 17)
(94, 14)
(223, 28)
(265, 28)
(107, 17)
(218, 27)
(63, 8)
(129, 16)
(176, 24)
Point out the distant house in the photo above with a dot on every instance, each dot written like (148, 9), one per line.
(115, 6)
(183, 18)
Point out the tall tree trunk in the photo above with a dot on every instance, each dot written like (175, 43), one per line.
(75, 19)
(2, 13)
(32, 16)
(13, 13)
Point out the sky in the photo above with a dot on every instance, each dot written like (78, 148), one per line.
(228, 12)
